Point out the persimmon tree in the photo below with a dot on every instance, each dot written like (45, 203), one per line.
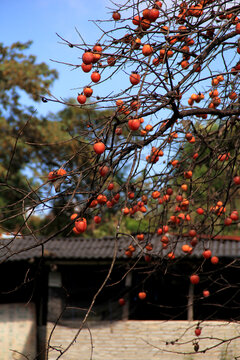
(168, 74)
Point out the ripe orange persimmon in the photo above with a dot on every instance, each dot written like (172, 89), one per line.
(198, 331)
(56, 173)
(109, 204)
(136, 43)
(142, 295)
(81, 98)
(95, 76)
(185, 48)
(156, 194)
(101, 199)
(179, 198)
(103, 170)
(224, 157)
(145, 24)
(87, 91)
(158, 4)
(220, 78)
(194, 97)
(76, 231)
(149, 247)
(74, 216)
(147, 258)
(165, 228)
(116, 197)
(200, 211)
(236, 180)
(111, 60)
(128, 253)
(121, 301)
(153, 14)
(140, 237)
(87, 57)
(136, 20)
(194, 241)
(162, 52)
(215, 82)
(131, 248)
(206, 293)
(181, 216)
(97, 48)
(164, 29)
(156, 61)
(207, 254)
(186, 248)
(135, 105)
(86, 68)
(118, 131)
(110, 186)
(213, 93)
(164, 239)
(184, 203)
(184, 64)
(197, 67)
(190, 101)
(116, 15)
(134, 78)
(52, 175)
(192, 233)
(165, 197)
(234, 215)
(187, 174)
(93, 203)
(99, 147)
(232, 95)
(148, 127)
(184, 187)
(188, 136)
(194, 279)
(119, 103)
(214, 260)
(228, 221)
(81, 225)
(97, 219)
(174, 162)
(134, 124)
(147, 50)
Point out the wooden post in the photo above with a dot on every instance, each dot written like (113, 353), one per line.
(128, 283)
(41, 303)
(190, 302)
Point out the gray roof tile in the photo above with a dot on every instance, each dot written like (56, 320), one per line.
(24, 248)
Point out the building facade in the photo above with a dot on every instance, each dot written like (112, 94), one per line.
(59, 278)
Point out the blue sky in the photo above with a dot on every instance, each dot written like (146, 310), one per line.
(40, 20)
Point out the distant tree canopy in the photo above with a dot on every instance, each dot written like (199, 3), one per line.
(31, 145)
(19, 73)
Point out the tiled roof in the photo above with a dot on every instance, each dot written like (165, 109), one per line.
(79, 248)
